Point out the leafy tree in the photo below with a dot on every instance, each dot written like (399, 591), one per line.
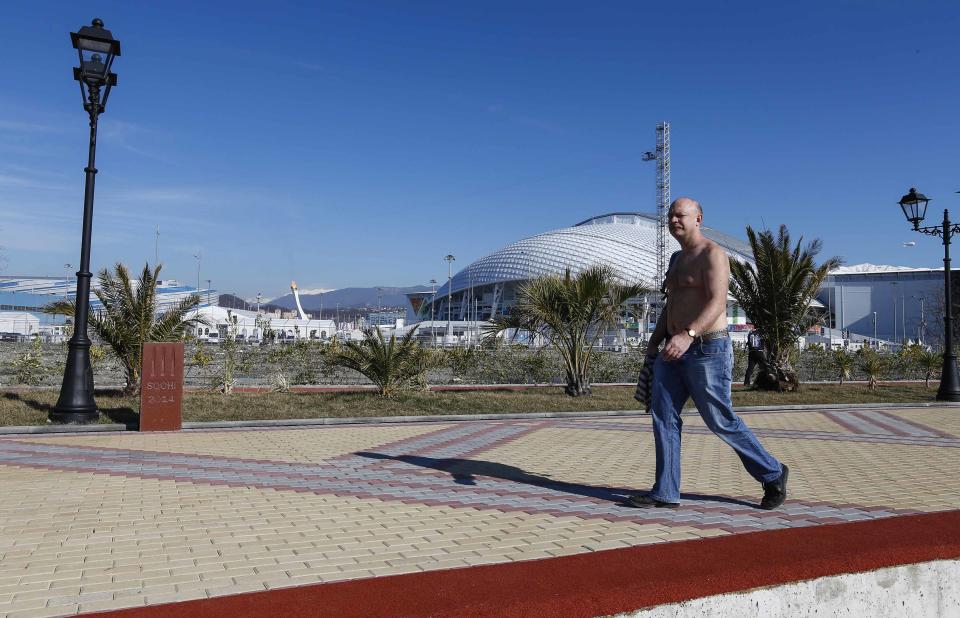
(843, 363)
(776, 295)
(234, 358)
(572, 313)
(391, 364)
(129, 317)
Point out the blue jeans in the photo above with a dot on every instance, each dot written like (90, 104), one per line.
(704, 373)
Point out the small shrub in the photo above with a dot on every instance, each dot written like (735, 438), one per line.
(391, 364)
(28, 366)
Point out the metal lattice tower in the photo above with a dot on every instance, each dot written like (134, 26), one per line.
(662, 157)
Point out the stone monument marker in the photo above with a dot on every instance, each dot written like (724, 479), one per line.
(161, 387)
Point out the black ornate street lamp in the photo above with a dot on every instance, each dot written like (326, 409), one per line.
(96, 48)
(914, 207)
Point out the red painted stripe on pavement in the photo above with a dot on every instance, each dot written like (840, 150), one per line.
(921, 426)
(605, 582)
(876, 422)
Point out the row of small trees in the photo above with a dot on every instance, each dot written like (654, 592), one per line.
(876, 365)
(570, 312)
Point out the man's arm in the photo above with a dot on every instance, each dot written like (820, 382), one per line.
(659, 332)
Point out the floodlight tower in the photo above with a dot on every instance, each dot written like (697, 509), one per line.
(662, 157)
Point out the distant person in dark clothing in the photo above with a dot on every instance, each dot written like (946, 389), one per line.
(755, 354)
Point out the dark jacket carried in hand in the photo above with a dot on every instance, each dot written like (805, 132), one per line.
(644, 391)
(645, 383)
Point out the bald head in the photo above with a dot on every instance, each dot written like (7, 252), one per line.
(685, 202)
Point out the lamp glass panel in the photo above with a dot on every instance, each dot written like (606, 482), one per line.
(94, 64)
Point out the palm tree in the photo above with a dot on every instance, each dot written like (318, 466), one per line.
(390, 364)
(843, 363)
(873, 364)
(776, 296)
(572, 313)
(930, 362)
(129, 317)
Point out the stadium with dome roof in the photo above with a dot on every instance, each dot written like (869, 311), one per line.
(623, 240)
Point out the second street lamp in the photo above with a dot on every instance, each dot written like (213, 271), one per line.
(914, 206)
(96, 48)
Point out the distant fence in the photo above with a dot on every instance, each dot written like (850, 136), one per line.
(304, 363)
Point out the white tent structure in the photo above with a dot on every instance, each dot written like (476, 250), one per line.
(246, 325)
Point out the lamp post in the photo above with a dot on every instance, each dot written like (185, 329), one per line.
(875, 343)
(449, 258)
(914, 206)
(96, 49)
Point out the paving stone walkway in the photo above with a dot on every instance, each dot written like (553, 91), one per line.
(91, 522)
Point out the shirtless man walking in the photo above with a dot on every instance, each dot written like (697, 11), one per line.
(697, 362)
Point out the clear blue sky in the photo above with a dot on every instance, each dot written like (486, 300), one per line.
(357, 143)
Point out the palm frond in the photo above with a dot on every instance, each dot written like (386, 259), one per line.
(571, 312)
(776, 291)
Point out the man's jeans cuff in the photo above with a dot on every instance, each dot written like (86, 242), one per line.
(774, 476)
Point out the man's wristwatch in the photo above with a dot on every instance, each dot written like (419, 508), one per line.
(692, 333)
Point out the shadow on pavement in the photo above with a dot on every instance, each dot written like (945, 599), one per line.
(465, 471)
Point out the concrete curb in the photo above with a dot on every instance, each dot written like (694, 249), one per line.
(447, 418)
(65, 429)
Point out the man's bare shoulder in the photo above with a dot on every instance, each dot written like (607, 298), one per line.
(708, 251)
(714, 252)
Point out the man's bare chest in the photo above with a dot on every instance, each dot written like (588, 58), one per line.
(685, 274)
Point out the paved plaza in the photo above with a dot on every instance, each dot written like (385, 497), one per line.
(103, 521)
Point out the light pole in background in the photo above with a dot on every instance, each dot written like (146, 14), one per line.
(449, 258)
(433, 308)
(209, 286)
(914, 206)
(199, 256)
(875, 328)
(96, 49)
(66, 280)
(893, 284)
(923, 324)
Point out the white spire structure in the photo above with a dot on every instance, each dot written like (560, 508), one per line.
(296, 297)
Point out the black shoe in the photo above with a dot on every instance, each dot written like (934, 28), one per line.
(643, 501)
(775, 492)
